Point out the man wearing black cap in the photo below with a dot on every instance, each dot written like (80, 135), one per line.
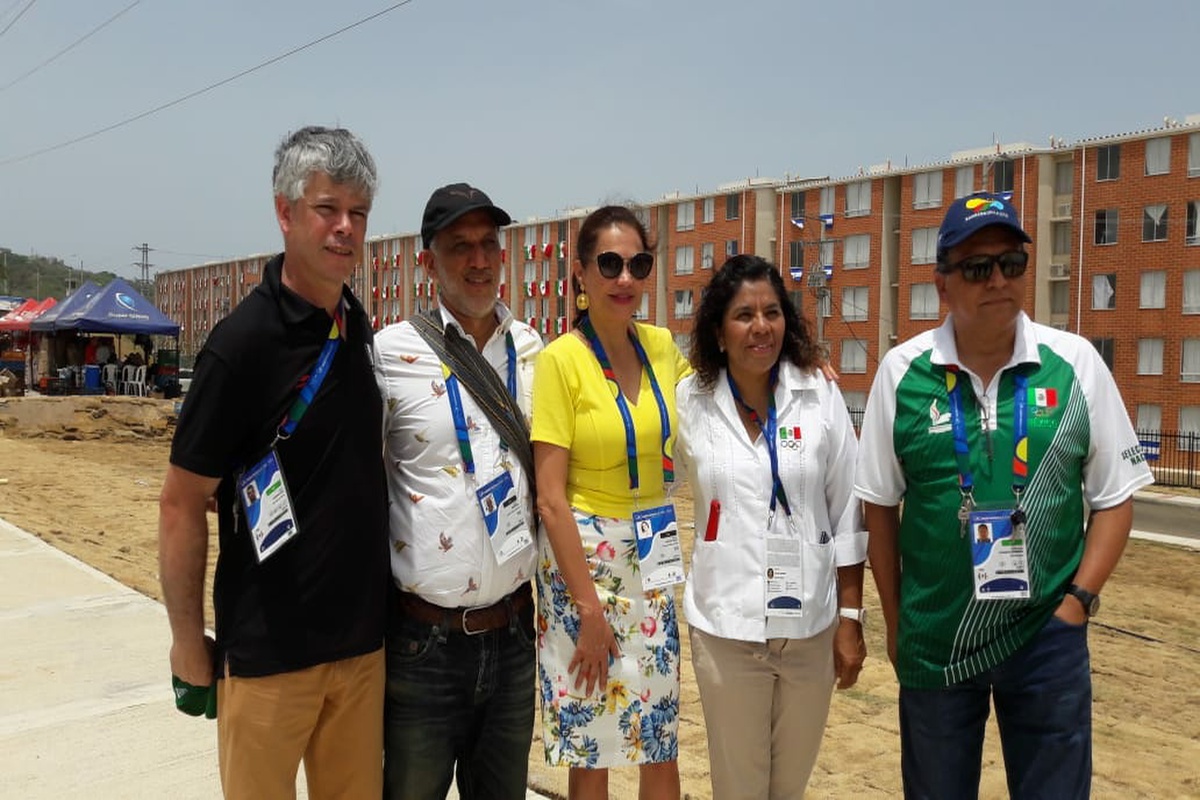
(992, 419)
(460, 652)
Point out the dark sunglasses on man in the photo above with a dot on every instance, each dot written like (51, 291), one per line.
(611, 264)
(977, 269)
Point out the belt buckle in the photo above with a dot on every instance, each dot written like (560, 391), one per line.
(465, 628)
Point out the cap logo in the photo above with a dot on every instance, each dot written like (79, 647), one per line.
(467, 193)
(977, 205)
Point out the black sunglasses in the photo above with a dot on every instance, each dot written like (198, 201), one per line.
(977, 269)
(611, 264)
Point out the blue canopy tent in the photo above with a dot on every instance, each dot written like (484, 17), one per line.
(44, 323)
(117, 308)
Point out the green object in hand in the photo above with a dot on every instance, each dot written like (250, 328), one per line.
(195, 701)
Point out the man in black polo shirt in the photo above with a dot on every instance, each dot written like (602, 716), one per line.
(282, 426)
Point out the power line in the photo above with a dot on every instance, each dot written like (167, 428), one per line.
(69, 47)
(20, 14)
(198, 92)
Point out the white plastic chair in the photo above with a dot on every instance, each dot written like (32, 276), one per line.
(139, 381)
(112, 377)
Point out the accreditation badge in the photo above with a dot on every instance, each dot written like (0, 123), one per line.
(998, 557)
(785, 574)
(264, 496)
(659, 553)
(505, 519)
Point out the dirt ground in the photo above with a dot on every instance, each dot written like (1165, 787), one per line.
(84, 475)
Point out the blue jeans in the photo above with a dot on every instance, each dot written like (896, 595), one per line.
(457, 698)
(1043, 698)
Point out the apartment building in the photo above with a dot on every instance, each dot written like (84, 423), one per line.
(1116, 258)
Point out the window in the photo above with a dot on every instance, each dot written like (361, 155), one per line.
(1105, 348)
(731, 248)
(685, 216)
(1190, 370)
(545, 233)
(927, 189)
(924, 303)
(1104, 291)
(530, 240)
(683, 303)
(684, 260)
(1191, 291)
(1154, 289)
(855, 401)
(825, 256)
(1158, 156)
(1108, 162)
(827, 200)
(798, 205)
(1194, 155)
(1060, 297)
(924, 246)
(733, 206)
(854, 356)
(858, 199)
(857, 251)
(1154, 223)
(1064, 177)
(643, 312)
(854, 303)
(964, 181)
(1002, 175)
(1149, 417)
(1189, 422)
(706, 255)
(530, 309)
(1060, 236)
(710, 209)
(1192, 234)
(1106, 226)
(1150, 356)
(825, 304)
(796, 254)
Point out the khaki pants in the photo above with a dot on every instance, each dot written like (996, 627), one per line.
(330, 715)
(765, 706)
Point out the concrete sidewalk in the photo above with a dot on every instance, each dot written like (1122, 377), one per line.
(86, 708)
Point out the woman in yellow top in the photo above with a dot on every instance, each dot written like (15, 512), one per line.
(603, 432)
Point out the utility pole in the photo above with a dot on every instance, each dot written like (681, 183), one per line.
(5, 252)
(144, 265)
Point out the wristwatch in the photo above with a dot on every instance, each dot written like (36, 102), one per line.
(859, 615)
(1089, 601)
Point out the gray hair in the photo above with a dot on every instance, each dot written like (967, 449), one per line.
(334, 151)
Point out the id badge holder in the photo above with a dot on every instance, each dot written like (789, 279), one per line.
(1000, 569)
(505, 519)
(784, 573)
(659, 553)
(263, 493)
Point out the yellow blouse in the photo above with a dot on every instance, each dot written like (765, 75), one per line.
(574, 407)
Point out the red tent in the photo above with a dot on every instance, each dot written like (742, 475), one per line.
(19, 318)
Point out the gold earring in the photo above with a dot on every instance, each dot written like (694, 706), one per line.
(582, 302)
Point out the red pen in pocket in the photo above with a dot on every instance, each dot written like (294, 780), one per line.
(714, 519)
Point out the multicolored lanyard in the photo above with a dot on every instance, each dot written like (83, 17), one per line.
(461, 432)
(958, 424)
(668, 463)
(768, 433)
(317, 377)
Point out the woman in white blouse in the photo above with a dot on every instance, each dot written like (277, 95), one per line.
(774, 595)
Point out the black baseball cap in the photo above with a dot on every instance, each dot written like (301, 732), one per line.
(452, 201)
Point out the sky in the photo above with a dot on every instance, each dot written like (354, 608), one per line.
(545, 104)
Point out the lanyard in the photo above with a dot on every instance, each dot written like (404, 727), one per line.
(461, 432)
(317, 377)
(768, 432)
(668, 463)
(1020, 463)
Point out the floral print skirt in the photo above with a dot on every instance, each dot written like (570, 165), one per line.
(636, 720)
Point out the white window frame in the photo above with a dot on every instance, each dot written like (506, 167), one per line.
(1189, 422)
(685, 259)
(1112, 222)
(685, 216)
(1157, 218)
(1158, 156)
(927, 189)
(683, 304)
(1104, 291)
(923, 302)
(1189, 360)
(1191, 291)
(643, 312)
(855, 303)
(1153, 290)
(710, 209)
(1149, 418)
(1194, 155)
(853, 359)
(707, 255)
(924, 245)
(964, 181)
(858, 199)
(731, 248)
(828, 200)
(856, 251)
(1150, 356)
(1104, 163)
(1191, 231)
(825, 252)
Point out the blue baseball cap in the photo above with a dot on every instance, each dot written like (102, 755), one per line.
(971, 214)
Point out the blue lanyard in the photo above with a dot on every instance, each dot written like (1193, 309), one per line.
(962, 453)
(317, 377)
(461, 432)
(768, 433)
(668, 463)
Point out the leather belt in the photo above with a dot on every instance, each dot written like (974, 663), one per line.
(470, 621)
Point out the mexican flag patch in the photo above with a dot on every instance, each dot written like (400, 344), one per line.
(1043, 397)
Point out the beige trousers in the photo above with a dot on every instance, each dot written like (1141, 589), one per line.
(330, 715)
(765, 706)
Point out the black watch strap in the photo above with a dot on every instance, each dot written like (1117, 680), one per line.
(1090, 602)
